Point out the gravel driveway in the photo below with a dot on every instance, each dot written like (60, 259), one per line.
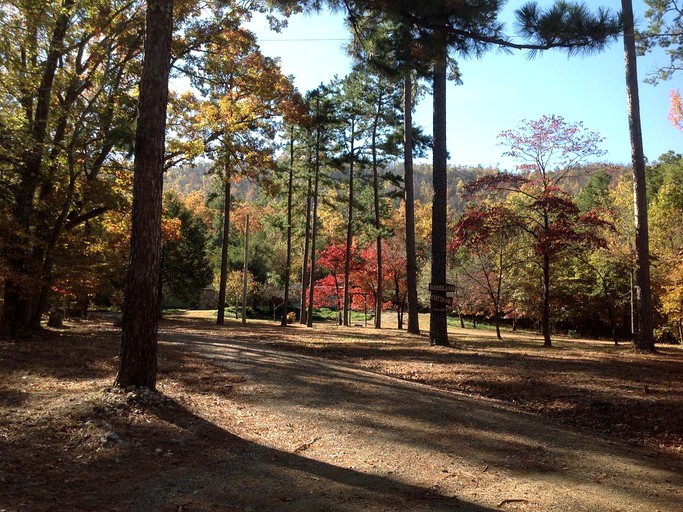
(317, 435)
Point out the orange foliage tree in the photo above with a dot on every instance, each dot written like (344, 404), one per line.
(676, 110)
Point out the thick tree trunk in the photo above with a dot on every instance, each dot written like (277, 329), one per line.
(644, 338)
(411, 256)
(19, 319)
(438, 329)
(288, 265)
(138, 359)
(223, 280)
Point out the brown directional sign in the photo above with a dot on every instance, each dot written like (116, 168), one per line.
(441, 287)
(439, 299)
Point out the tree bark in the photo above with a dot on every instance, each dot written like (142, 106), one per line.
(223, 280)
(438, 329)
(378, 224)
(496, 318)
(314, 220)
(138, 358)
(411, 257)
(304, 270)
(288, 265)
(349, 229)
(644, 338)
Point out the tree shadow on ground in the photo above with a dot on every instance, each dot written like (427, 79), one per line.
(492, 436)
(210, 468)
(192, 464)
(644, 401)
(588, 384)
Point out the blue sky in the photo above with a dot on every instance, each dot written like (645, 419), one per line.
(500, 90)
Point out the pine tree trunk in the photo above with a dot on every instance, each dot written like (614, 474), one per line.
(223, 280)
(349, 231)
(644, 338)
(138, 359)
(304, 269)
(378, 221)
(411, 257)
(438, 329)
(288, 265)
(314, 233)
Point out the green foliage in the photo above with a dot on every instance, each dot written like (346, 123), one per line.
(596, 192)
(664, 30)
(185, 266)
(667, 169)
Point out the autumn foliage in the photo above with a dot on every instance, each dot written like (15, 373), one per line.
(676, 110)
(329, 290)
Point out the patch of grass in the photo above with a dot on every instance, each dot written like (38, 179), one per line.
(454, 321)
(332, 315)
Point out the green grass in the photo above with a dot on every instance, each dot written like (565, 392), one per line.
(454, 321)
(331, 315)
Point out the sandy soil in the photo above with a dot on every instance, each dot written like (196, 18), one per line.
(262, 418)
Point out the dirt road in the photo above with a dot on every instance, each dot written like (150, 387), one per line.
(327, 436)
(242, 425)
